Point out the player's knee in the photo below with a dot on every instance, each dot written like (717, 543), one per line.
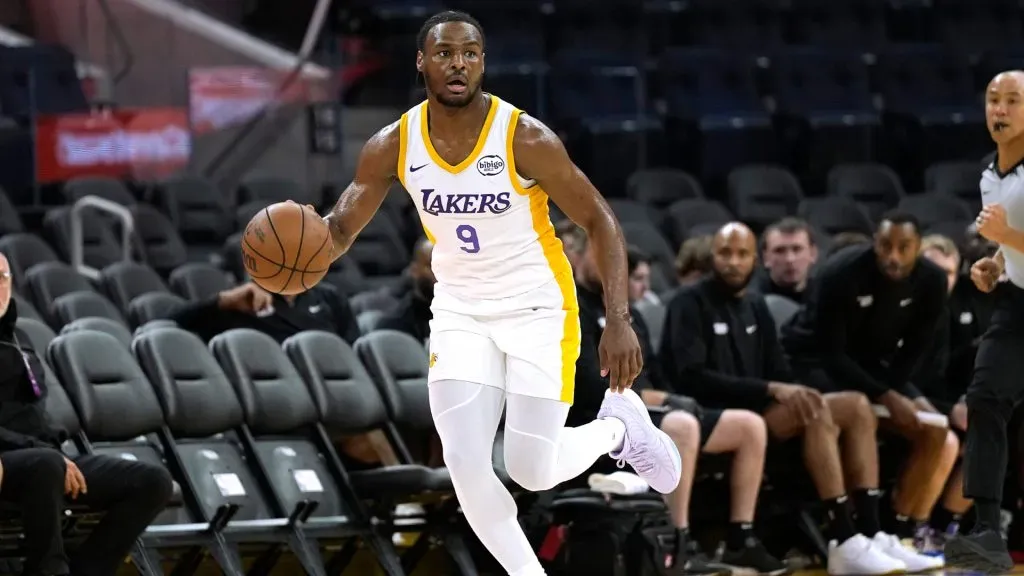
(682, 427)
(752, 428)
(530, 461)
(952, 447)
(853, 410)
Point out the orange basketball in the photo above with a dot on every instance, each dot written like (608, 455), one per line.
(286, 248)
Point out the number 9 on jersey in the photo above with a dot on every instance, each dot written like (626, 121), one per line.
(470, 241)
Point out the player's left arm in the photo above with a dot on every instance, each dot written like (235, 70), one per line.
(540, 155)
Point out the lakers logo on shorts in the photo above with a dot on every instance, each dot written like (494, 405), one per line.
(433, 359)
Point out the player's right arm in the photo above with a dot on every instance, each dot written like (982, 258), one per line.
(376, 172)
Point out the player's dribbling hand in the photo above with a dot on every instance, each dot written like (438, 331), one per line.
(247, 299)
(992, 223)
(985, 273)
(621, 357)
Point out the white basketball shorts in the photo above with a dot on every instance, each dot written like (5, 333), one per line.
(524, 345)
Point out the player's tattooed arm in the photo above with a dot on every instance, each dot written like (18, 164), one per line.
(376, 171)
(540, 155)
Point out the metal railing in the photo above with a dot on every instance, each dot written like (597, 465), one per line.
(78, 234)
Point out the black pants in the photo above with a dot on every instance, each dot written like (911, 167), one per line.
(131, 493)
(996, 389)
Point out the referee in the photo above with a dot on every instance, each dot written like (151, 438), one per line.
(997, 386)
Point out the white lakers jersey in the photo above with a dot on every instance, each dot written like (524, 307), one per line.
(492, 235)
(1007, 190)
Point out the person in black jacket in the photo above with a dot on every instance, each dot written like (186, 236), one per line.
(871, 316)
(413, 315)
(789, 254)
(38, 478)
(321, 307)
(720, 346)
(694, 430)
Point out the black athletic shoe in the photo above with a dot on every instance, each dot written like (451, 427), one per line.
(754, 556)
(690, 560)
(982, 552)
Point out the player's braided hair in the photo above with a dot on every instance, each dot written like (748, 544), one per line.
(444, 18)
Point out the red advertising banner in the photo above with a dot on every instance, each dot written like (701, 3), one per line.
(227, 96)
(140, 143)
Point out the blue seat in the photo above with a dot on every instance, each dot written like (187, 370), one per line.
(716, 92)
(826, 88)
(406, 9)
(931, 89)
(969, 26)
(846, 24)
(516, 69)
(745, 25)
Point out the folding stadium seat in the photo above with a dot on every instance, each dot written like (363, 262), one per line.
(660, 187)
(685, 216)
(10, 221)
(159, 242)
(828, 95)
(101, 246)
(929, 92)
(378, 250)
(70, 307)
(932, 208)
(373, 300)
(369, 320)
(116, 329)
(198, 281)
(24, 251)
(153, 325)
(601, 97)
(843, 24)
(972, 27)
(762, 194)
(955, 230)
(26, 309)
(654, 316)
(958, 179)
(397, 365)
(516, 67)
(196, 208)
(125, 281)
(835, 214)
(39, 334)
(633, 211)
(245, 212)
(746, 25)
(874, 186)
(651, 241)
(270, 189)
(151, 306)
(107, 188)
(61, 411)
(122, 417)
(47, 281)
(346, 276)
(284, 435)
(712, 96)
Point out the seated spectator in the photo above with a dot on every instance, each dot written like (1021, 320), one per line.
(412, 315)
(693, 260)
(321, 307)
(871, 314)
(694, 430)
(572, 237)
(789, 253)
(845, 240)
(39, 479)
(965, 319)
(720, 346)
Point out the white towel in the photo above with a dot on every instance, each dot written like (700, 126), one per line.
(929, 418)
(621, 483)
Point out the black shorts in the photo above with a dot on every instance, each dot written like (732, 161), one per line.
(813, 375)
(707, 418)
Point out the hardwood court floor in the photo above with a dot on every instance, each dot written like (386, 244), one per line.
(949, 572)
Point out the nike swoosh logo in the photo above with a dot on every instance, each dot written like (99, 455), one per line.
(415, 168)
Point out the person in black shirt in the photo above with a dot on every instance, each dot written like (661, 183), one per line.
(38, 478)
(720, 346)
(789, 253)
(321, 307)
(870, 319)
(413, 315)
(692, 428)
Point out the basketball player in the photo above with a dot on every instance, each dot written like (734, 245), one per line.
(505, 325)
(996, 387)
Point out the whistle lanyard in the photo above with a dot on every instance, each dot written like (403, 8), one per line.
(36, 389)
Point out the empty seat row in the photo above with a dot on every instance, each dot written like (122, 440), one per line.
(244, 428)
